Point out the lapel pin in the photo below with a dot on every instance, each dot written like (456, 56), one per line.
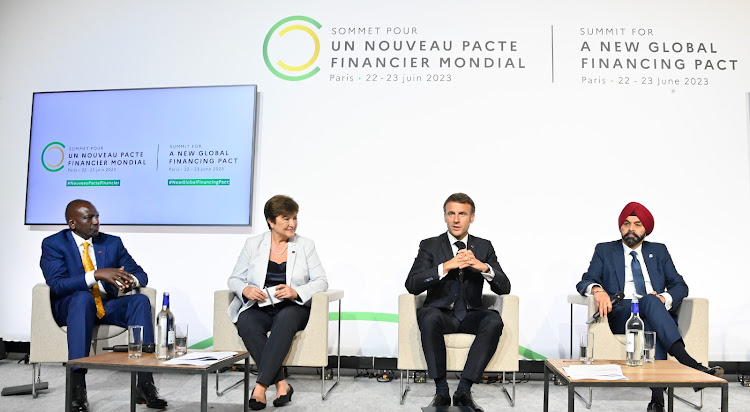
(99, 252)
(650, 255)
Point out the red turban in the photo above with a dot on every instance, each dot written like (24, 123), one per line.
(641, 212)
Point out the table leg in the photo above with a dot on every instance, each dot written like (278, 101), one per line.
(247, 384)
(546, 388)
(670, 399)
(68, 389)
(571, 397)
(725, 397)
(133, 391)
(204, 392)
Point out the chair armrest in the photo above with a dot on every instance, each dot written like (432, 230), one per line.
(333, 294)
(578, 299)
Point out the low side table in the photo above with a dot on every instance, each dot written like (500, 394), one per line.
(119, 361)
(662, 373)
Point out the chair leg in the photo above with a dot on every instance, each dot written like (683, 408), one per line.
(403, 391)
(234, 385)
(511, 399)
(323, 392)
(585, 402)
(692, 405)
(34, 378)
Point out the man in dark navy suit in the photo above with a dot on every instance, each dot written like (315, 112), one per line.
(452, 268)
(87, 273)
(644, 269)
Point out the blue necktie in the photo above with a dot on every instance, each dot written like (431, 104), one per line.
(635, 267)
(459, 306)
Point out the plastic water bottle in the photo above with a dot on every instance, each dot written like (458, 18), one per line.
(634, 341)
(165, 331)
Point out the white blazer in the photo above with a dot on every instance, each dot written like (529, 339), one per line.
(304, 273)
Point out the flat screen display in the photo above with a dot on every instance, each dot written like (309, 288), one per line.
(162, 156)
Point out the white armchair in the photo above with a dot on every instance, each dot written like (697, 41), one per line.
(309, 346)
(692, 321)
(49, 342)
(411, 357)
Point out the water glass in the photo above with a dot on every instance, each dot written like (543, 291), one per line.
(135, 341)
(180, 339)
(649, 346)
(586, 343)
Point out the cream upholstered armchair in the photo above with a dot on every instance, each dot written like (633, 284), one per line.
(49, 342)
(411, 356)
(309, 346)
(692, 321)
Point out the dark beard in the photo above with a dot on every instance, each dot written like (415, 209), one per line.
(632, 241)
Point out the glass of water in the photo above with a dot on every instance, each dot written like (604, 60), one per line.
(135, 341)
(180, 339)
(649, 346)
(586, 343)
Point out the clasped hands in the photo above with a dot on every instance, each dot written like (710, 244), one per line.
(604, 303)
(282, 292)
(465, 258)
(118, 277)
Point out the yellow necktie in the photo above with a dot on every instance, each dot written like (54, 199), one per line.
(88, 266)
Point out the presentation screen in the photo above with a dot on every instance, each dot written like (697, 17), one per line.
(162, 156)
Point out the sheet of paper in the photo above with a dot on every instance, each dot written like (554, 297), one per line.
(598, 372)
(200, 358)
(271, 299)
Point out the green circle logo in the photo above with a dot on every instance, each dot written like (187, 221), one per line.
(286, 71)
(53, 156)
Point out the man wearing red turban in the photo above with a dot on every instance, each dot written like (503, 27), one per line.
(643, 269)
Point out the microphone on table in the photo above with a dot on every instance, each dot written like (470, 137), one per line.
(619, 296)
(147, 348)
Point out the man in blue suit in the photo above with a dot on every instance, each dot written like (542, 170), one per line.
(87, 273)
(452, 268)
(644, 269)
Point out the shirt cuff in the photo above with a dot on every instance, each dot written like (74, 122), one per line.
(136, 283)
(591, 286)
(489, 275)
(441, 275)
(667, 300)
(90, 280)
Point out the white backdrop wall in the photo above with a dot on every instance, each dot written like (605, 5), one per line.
(549, 149)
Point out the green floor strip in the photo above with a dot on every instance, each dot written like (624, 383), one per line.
(203, 344)
(370, 316)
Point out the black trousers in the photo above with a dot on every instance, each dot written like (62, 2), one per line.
(435, 322)
(269, 351)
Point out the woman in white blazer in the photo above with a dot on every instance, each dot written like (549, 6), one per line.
(277, 264)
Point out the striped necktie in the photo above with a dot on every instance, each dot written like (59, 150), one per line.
(88, 266)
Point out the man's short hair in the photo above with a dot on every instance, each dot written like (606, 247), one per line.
(72, 205)
(279, 205)
(460, 198)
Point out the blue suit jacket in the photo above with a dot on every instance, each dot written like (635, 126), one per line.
(63, 269)
(607, 268)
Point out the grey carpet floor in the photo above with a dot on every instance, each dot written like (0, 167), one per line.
(109, 391)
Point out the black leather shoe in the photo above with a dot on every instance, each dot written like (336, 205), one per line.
(255, 405)
(79, 401)
(655, 407)
(440, 400)
(717, 371)
(465, 399)
(149, 395)
(284, 399)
